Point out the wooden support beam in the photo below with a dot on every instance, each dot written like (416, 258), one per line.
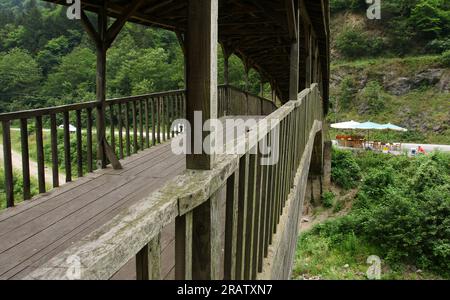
(226, 50)
(202, 37)
(292, 18)
(103, 39)
(101, 86)
(117, 26)
(90, 30)
(295, 61)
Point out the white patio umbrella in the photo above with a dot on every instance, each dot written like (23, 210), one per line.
(346, 125)
(370, 126)
(390, 126)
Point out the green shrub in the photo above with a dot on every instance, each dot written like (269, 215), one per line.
(445, 59)
(438, 46)
(345, 172)
(354, 42)
(372, 96)
(403, 208)
(346, 93)
(340, 5)
(328, 199)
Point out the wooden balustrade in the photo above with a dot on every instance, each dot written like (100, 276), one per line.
(135, 123)
(261, 201)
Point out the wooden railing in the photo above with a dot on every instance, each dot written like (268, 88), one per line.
(134, 124)
(256, 198)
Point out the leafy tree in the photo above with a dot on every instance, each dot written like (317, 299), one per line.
(51, 55)
(19, 75)
(432, 18)
(74, 79)
(354, 42)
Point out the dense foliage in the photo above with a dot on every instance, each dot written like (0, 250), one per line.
(406, 27)
(402, 208)
(345, 172)
(47, 59)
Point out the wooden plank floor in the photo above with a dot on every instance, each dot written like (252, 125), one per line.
(35, 231)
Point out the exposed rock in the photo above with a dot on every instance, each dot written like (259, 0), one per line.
(444, 83)
(399, 86)
(403, 85)
(427, 78)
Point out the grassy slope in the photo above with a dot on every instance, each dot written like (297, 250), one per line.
(318, 257)
(427, 106)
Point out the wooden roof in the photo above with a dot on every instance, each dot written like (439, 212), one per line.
(258, 31)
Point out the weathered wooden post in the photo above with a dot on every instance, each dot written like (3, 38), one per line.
(295, 52)
(103, 37)
(226, 75)
(196, 232)
(101, 85)
(202, 37)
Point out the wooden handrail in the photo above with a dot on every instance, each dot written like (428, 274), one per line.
(140, 121)
(264, 192)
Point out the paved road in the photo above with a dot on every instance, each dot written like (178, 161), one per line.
(17, 165)
(427, 147)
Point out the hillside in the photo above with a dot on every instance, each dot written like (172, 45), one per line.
(373, 79)
(411, 92)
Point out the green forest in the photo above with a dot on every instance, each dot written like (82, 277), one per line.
(47, 59)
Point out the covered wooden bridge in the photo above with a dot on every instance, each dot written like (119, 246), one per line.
(146, 212)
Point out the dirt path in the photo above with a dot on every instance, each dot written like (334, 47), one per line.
(17, 165)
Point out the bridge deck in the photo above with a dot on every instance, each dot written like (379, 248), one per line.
(35, 231)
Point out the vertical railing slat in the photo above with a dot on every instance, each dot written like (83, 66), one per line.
(127, 129)
(153, 109)
(112, 128)
(183, 247)
(89, 140)
(40, 155)
(54, 149)
(158, 110)
(231, 215)
(147, 129)
(67, 154)
(7, 161)
(25, 159)
(250, 217)
(141, 126)
(135, 129)
(79, 145)
(148, 260)
(120, 128)
(241, 220)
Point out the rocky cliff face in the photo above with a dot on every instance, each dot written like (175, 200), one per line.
(395, 84)
(415, 94)
(399, 86)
